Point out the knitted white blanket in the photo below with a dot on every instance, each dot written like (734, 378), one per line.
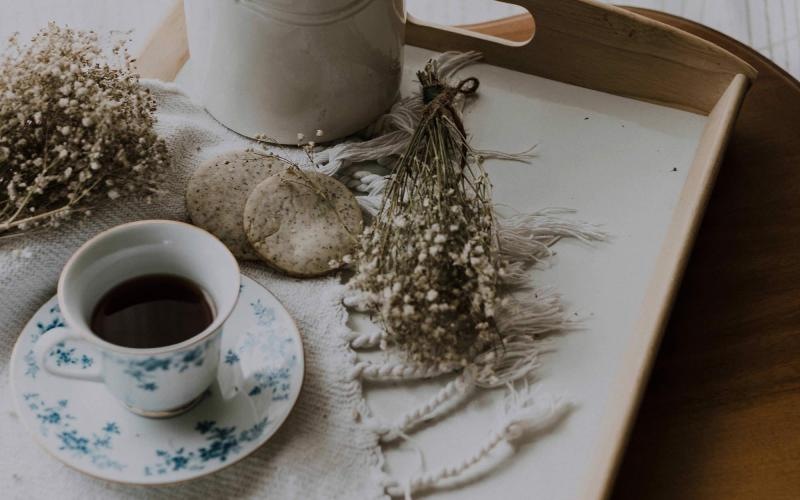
(319, 452)
(330, 445)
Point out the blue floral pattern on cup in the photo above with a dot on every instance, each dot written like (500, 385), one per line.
(65, 356)
(144, 371)
(266, 347)
(48, 322)
(149, 382)
(231, 358)
(62, 354)
(82, 425)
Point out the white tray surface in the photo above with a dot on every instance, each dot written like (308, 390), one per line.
(617, 169)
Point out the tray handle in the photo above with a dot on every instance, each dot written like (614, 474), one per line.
(605, 48)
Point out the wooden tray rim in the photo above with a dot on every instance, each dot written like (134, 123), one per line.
(719, 79)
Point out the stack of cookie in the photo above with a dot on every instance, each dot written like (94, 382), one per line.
(261, 207)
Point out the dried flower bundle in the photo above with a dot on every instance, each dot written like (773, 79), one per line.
(430, 264)
(75, 129)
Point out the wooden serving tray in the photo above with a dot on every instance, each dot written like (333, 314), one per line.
(631, 118)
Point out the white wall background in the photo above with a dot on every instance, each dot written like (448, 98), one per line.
(771, 26)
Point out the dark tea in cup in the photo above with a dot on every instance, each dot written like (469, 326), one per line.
(154, 310)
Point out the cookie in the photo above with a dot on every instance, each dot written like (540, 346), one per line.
(295, 230)
(217, 193)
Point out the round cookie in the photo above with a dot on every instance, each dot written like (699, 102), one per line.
(294, 230)
(218, 190)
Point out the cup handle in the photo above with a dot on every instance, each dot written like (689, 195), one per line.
(88, 368)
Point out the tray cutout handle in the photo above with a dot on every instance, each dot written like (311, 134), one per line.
(514, 30)
(606, 48)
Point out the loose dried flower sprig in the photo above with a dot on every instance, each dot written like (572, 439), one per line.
(296, 175)
(76, 128)
(430, 264)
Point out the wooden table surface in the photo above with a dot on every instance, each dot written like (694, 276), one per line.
(721, 415)
(720, 418)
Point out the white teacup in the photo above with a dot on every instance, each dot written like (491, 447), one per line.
(153, 382)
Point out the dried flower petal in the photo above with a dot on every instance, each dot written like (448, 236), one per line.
(47, 160)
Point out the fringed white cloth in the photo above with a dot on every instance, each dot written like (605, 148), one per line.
(525, 319)
(388, 137)
(526, 412)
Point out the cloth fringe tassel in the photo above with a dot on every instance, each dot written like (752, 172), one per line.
(387, 138)
(526, 317)
(526, 413)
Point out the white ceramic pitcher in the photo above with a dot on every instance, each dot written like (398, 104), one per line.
(287, 67)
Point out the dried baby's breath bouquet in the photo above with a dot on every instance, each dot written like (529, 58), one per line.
(430, 264)
(76, 128)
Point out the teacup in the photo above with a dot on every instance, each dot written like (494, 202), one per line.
(159, 381)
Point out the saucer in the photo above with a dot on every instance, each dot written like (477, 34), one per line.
(84, 426)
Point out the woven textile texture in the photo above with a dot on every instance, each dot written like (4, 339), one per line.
(320, 451)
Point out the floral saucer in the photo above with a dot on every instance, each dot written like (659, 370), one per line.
(84, 426)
